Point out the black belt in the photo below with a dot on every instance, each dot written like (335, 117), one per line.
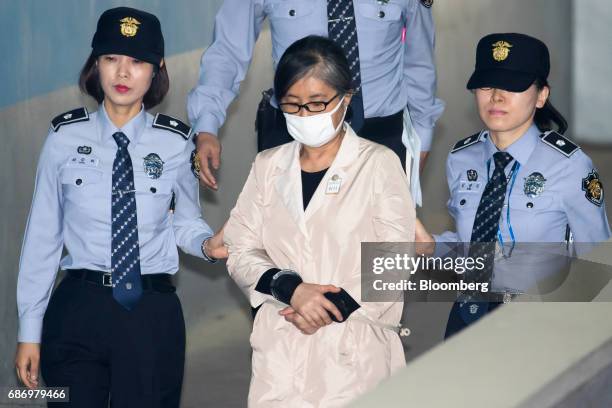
(159, 282)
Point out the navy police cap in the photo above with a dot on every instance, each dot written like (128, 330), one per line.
(131, 32)
(509, 61)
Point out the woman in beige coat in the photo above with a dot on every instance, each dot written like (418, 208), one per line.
(294, 242)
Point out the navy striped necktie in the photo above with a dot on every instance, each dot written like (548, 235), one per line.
(343, 31)
(125, 248)
(486, 222)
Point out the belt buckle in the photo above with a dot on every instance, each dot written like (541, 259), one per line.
(107, 280)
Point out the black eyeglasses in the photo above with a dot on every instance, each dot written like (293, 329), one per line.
(312, 107)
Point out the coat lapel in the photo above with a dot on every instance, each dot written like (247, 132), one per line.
(347, 154)
(288, 184)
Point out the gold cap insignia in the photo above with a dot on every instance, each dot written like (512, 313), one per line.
(501, 49)
(129, 26)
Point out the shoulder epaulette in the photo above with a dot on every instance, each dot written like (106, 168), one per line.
(162, 121)
(73, 116)
(467, 142)
(560, 143)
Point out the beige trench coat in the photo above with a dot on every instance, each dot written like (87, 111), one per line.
(268, 228)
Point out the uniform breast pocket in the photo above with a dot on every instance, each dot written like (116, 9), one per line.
(533, 218)
(291, 20)
(80, 186)
(153, 199)
(379, 26)
(463, 207)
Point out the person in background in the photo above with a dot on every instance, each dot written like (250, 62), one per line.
(390, 49)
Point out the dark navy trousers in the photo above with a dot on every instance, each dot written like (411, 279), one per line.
(103, 352)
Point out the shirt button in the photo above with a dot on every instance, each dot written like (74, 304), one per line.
(530, 205)
(381, 14)
(462, 202)
(79, 182)
(128, 286)
(153, 190)
(292, 13)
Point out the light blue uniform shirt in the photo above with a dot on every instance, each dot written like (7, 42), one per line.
(542, 218)
(71, 207)
(394, 73)
(536, 209)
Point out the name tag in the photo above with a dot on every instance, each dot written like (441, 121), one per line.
(83, 161)
(333, 185)
(469, 186)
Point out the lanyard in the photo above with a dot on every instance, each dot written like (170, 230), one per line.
(513, 172)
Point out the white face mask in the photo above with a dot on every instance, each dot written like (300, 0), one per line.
(315, 130)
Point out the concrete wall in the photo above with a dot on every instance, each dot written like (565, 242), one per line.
(591, 77)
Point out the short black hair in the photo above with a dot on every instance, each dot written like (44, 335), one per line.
(314, 55)
(89, 83)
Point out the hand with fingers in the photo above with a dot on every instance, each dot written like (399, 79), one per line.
(214, 247)
(298, 321)
(312, 306)
(209, 154)
(425, 243)
(27, 361)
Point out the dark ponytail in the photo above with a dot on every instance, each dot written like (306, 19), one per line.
(548, 114)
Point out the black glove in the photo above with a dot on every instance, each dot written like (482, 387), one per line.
(344, 302)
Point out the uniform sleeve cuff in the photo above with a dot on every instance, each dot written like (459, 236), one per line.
(30, 330)
(207, 123)
(198, 246)
(426, 136)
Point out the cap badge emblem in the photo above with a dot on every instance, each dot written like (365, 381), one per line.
(501, 50)
(129, 26)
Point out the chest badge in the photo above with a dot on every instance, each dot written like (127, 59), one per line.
(333, 185)
(534, 185)
(153, 165)
(84, 150)
(472, 175)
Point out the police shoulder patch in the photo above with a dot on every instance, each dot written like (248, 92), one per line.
(195, 163)
(467, 142)
(73, 116)
(171, 124)
(560, 143)
(593, 188)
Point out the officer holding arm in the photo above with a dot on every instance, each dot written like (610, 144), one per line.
(518, 180)
(389, 44)
(115, 188)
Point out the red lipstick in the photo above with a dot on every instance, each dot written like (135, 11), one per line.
(122, 88)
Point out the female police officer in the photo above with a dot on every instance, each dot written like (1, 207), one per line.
(517, 181)
(104, 188)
